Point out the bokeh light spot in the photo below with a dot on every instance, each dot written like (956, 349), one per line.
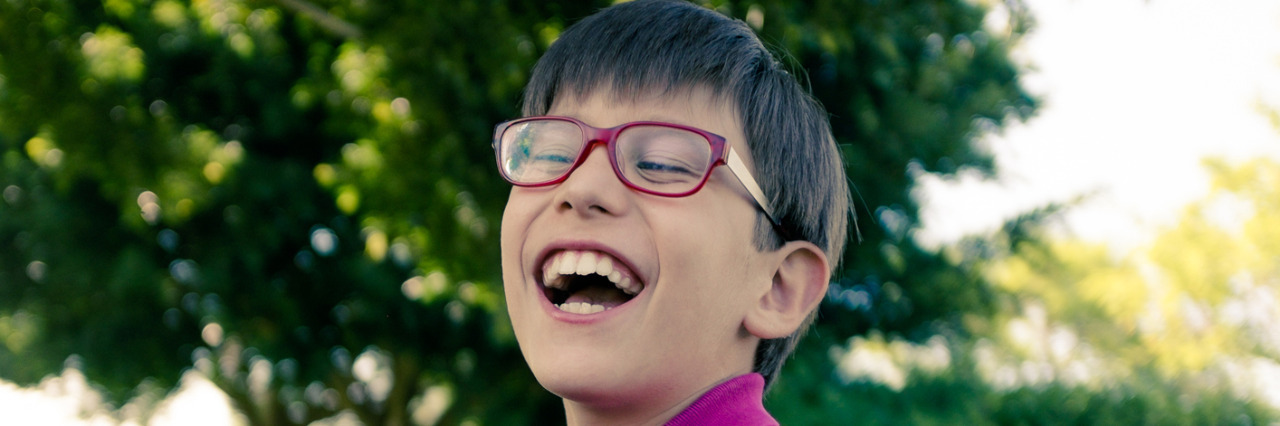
(214, 172)
(36, 270)
(325, 175)
(413, 288)
(456, 312)
(304, 260)
(242, 44)
(168, 239)
(467, 292)
(158, 108)
(43, 152)
(382, 112)
(232, 152)
(212, 334)
(436, 283)
(302, 98)
(323, 241)
(259, 375)
(348, 200)
(375, 244)
(17, 331)
(169, 13)
(12, 194)
(171, 318)
(183, 270)
(432, 405)
(90, 86)
(354, 80)
(400, 106)
(120, 8)
(755, 17)
(401, 253)
(373, 367)
(341, 359)
(118, 113)
(111, 55)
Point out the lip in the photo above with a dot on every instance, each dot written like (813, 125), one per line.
(561, 245)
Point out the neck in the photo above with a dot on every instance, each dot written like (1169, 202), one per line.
(578, 413)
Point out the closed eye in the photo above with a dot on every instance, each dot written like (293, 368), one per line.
(553, 158)
(666, 171)
(657, 167)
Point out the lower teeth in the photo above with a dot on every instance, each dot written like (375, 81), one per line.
(581, 308)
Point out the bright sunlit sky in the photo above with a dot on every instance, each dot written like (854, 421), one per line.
(1135, 93)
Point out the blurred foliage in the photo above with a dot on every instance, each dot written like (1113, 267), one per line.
(1202, 294)
(1178, 332)
(296, 200)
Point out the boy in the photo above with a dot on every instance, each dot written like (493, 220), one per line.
(645, 282)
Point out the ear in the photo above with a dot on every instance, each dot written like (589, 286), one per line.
(799, 282)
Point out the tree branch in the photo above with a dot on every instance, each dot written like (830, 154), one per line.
(323, 18)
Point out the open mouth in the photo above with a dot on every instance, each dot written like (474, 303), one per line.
(587, 282)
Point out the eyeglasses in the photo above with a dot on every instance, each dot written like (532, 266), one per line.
(656, 158)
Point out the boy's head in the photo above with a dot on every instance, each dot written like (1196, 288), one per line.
(706, 284)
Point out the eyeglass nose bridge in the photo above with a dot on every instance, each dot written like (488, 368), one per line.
(592, 136)
(595, 135)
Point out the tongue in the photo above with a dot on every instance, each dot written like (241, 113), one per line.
(598, 295)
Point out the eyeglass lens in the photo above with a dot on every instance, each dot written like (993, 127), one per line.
(660, 159)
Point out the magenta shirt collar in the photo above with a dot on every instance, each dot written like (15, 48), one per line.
(738, 401)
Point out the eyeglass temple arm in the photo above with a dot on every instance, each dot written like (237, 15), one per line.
(744, 177)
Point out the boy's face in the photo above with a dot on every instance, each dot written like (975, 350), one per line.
(693, 257)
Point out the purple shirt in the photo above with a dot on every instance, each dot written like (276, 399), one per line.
(738, 401)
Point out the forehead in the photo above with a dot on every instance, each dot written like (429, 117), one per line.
(698, 107)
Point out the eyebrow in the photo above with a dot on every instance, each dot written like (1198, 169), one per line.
(672, 120)
(647, 117)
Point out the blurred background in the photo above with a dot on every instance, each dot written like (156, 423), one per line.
(255, 212)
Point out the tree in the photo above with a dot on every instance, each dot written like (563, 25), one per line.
(296, 199)
(1178, 332)
(1179, 323)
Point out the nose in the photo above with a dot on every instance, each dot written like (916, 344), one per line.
(593, 189)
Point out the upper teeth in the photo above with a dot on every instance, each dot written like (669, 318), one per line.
(586, 263)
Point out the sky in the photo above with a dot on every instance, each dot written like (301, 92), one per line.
(1135, 94)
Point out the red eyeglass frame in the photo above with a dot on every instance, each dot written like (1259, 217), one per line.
(721, 152)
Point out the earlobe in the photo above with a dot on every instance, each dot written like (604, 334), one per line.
(799, 282)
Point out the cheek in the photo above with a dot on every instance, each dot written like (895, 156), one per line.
(516, 219)
(705, 270)
(709, 239)
(515, 224)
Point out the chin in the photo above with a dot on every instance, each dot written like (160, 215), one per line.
(592, 378)
(581, 388)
